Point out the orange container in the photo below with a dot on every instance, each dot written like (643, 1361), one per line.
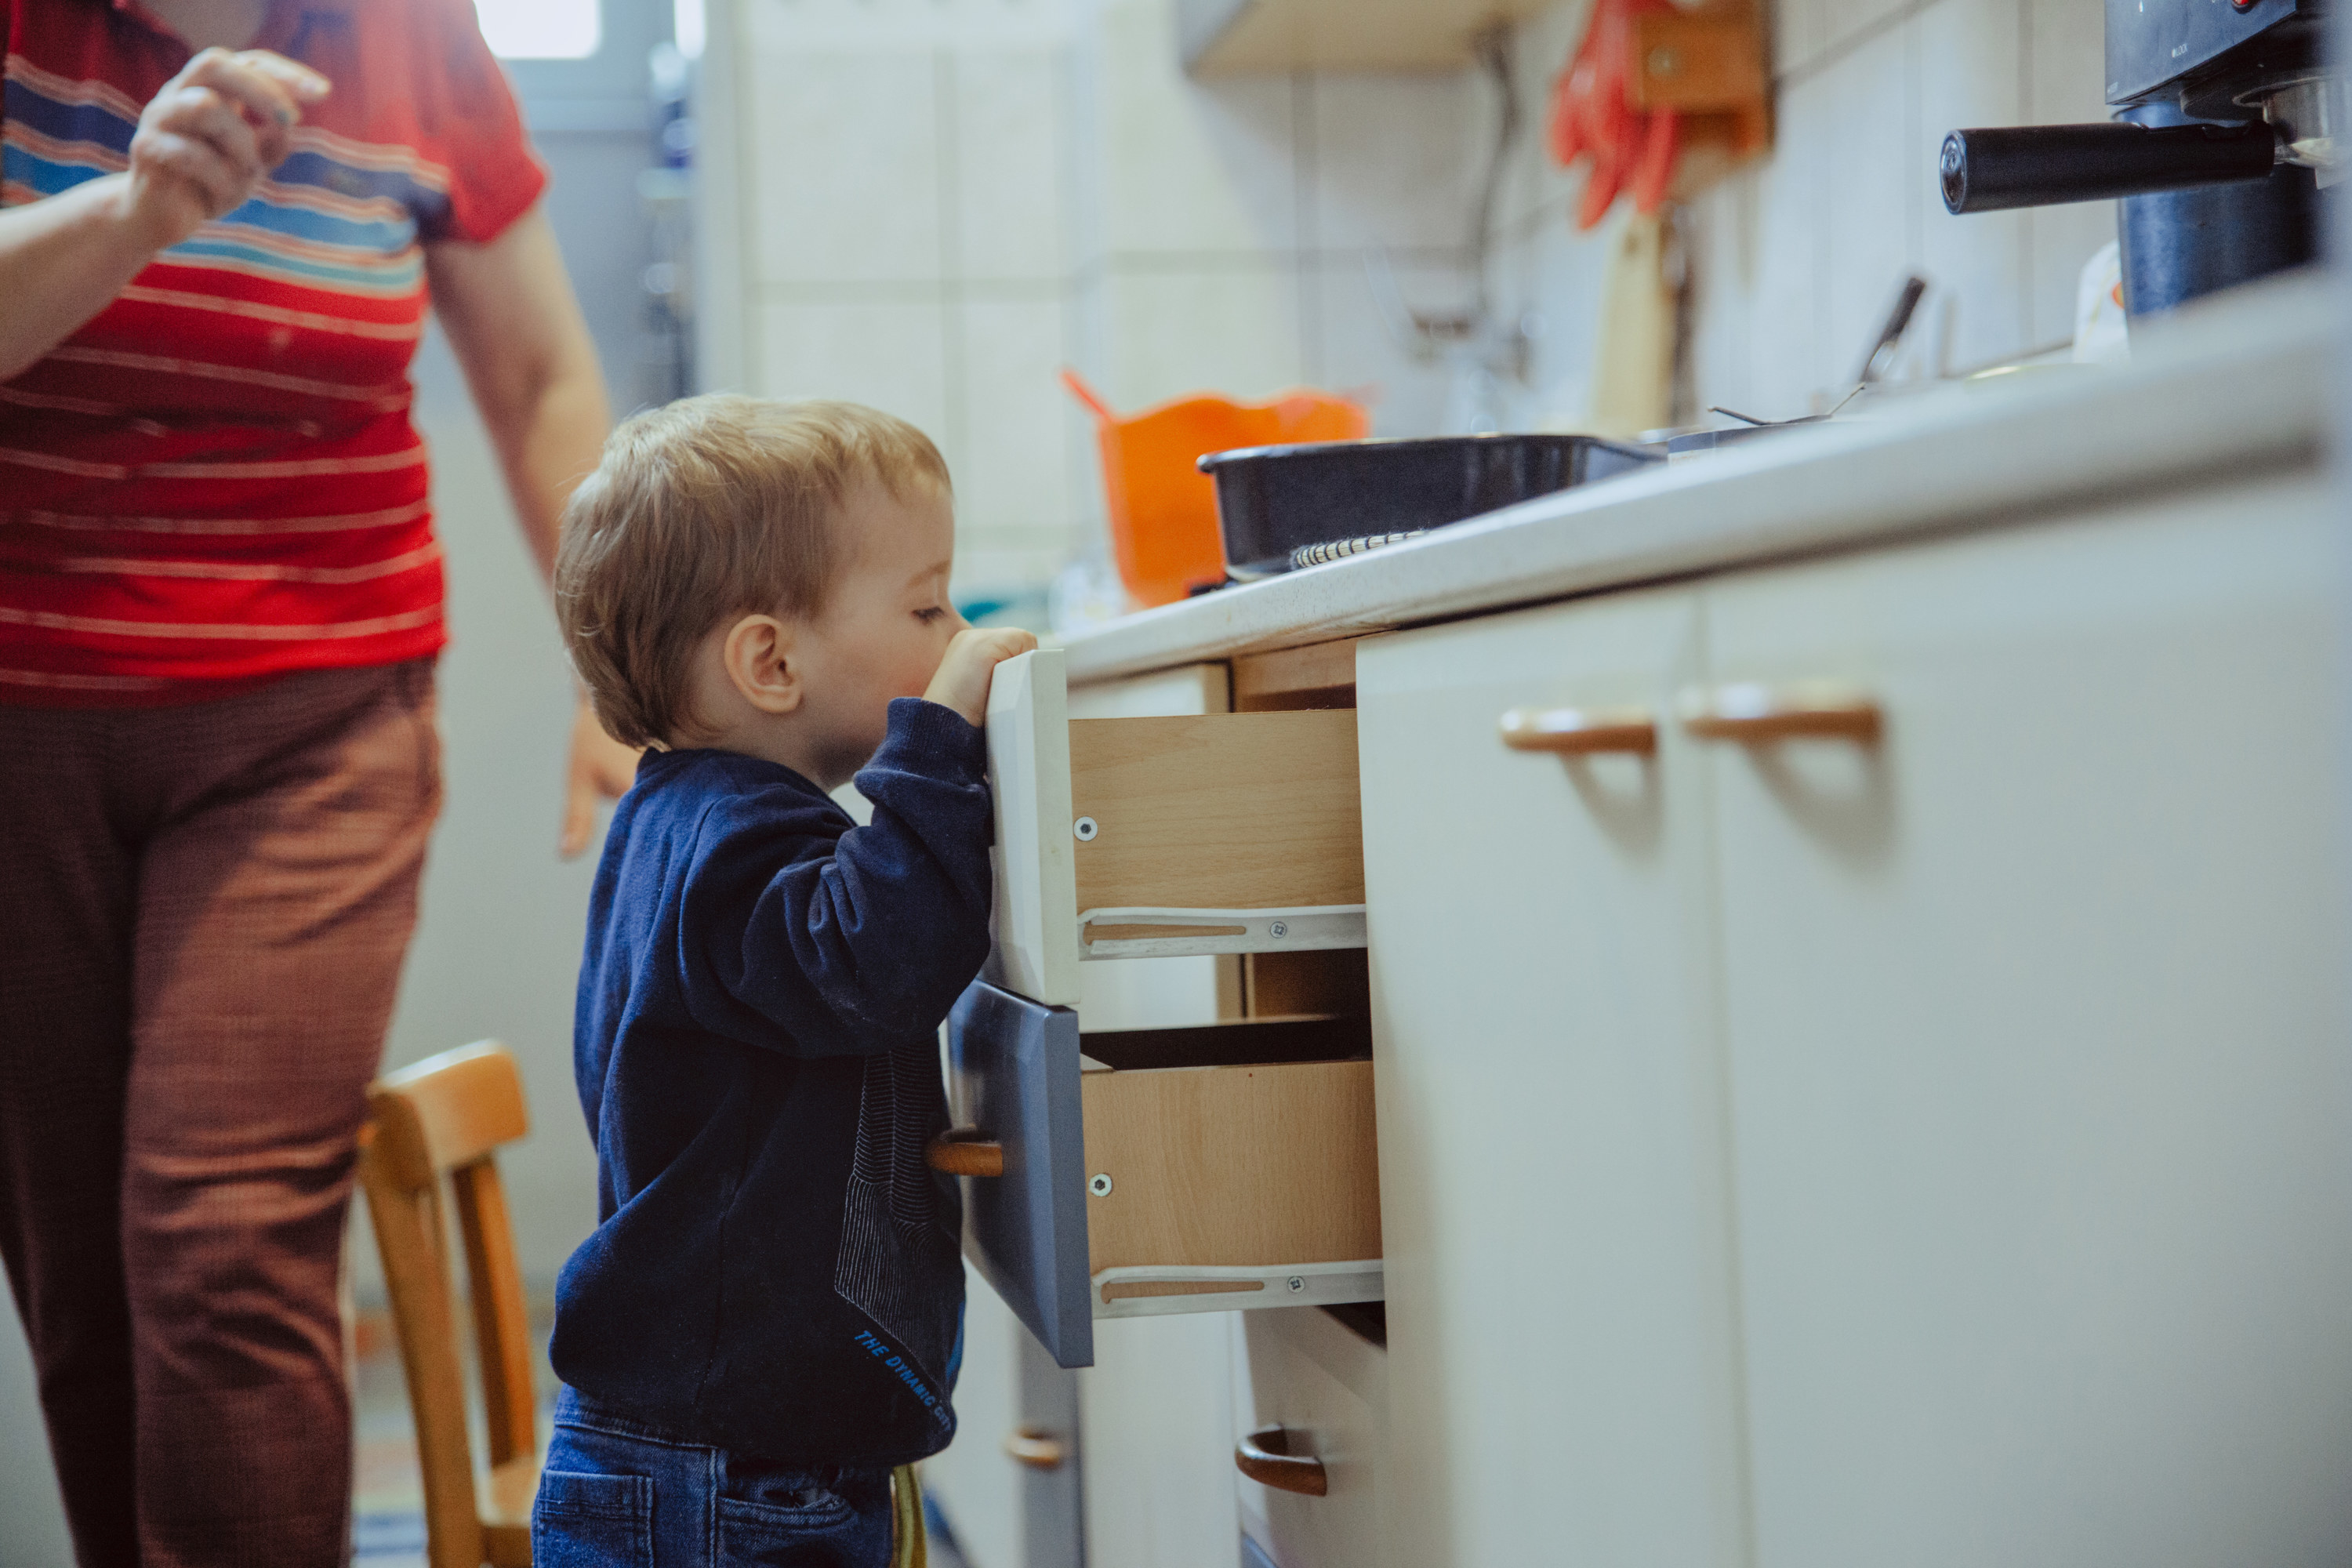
(1163, 510)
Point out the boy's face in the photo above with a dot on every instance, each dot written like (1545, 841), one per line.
(884, 627)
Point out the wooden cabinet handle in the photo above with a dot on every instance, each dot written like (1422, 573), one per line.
(1264, 1456)
(1036, 1448)
(1747, 713)
(965, 1152)
(1580, 731)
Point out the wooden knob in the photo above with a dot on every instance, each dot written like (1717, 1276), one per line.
(1264, 1456)
(1036, 1448)
(965, 1152)
(1749, 714)
(1579, 731)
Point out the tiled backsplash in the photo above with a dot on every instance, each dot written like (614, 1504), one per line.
(1797, 259)
(940, 202)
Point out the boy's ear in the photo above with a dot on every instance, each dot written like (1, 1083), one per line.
(762, 663)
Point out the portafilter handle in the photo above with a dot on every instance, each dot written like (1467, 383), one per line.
(2042, 165)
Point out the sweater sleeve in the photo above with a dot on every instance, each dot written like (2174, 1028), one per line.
(864, 941)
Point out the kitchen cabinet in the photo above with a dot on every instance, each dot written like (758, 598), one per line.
(1562, 1361)
(2036, 1020)
(1009, 1483)
(1161, 1170)
(1157, 1414)
(1128, 838)
(1325, 1387)
(1898, 1117)
(1143, 1172)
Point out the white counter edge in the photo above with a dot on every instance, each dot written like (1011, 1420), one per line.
(2223, 393)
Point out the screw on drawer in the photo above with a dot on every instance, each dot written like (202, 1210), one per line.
(1100, 1185)
(1086, 828)
(1278, 927)
(1297, 1284)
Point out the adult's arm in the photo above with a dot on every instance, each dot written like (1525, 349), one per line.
(510, 313)
(202, 146)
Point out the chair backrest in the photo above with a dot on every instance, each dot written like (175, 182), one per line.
(441, 1119)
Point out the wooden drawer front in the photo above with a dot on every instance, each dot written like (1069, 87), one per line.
(1215, 833)
(1132, 1188)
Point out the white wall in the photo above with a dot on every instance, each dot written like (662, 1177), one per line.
(1798, 257)
(936, 204)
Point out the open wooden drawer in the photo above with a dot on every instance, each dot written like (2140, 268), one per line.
(1146, 837)
(1193, 1170)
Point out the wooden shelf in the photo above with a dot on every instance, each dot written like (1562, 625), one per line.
(1235, 37)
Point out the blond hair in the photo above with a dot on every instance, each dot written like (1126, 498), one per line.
(711, 507)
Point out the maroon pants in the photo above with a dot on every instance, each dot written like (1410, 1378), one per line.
(203, 911)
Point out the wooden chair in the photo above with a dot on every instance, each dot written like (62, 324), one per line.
(440, 1121)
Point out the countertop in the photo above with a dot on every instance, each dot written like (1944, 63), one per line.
(2231, 390)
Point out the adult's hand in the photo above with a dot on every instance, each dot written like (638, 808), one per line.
(208, 138)
(201, 147)
(600, 770)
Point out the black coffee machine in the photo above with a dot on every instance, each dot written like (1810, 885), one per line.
(2229, 121)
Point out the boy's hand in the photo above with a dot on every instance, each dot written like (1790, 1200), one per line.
(971, 658)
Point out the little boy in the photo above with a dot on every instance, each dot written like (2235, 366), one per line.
(767, 1316)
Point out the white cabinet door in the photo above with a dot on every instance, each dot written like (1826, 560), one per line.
(976, 1485)
(1562, 1382)
(1326, 1387)
(2038, 1029)
(1156, 1412)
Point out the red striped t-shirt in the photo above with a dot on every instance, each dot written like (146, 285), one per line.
(214, 481)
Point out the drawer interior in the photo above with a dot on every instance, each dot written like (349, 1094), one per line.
(1144, 838)
(1218, 811)
(1238, 1146)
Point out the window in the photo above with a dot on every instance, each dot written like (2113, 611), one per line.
(541, 29)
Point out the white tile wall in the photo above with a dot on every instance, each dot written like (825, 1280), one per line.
(1187, 168)
(947, 199)
(1356, 344)
(1969, 76)
(1018, 428)
(1872, 189)
(1399, 157)
(1235, 329)
(845, 156)
(1797, 259)
(891, 354)
(1007, 127)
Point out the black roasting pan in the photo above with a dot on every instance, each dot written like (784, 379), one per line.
(1272, 500)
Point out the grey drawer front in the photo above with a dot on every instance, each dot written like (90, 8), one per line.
(1014, 1065)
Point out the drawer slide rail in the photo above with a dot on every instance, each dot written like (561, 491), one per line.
(1299, 1285)
(1145, 932)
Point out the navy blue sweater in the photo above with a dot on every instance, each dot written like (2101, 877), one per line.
(775, 1270)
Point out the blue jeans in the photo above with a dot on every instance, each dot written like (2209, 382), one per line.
(616, 1493)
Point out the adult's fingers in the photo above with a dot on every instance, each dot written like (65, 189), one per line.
(201, 113)
(307, 85)
(262, 91)
(197, 165)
